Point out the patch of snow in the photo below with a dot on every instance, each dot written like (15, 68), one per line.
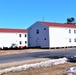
(71, 71)
(35, 65)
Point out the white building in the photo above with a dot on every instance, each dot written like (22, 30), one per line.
(9, 37)
(50, 35)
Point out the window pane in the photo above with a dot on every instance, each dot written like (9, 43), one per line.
(37, 31)
(44, 38)
(20, 42)
(19, 35)
(69, 39)
(25, 35)
(75, 40)
(25, 42)
(69, 31)
(74, 31)
(44, 28)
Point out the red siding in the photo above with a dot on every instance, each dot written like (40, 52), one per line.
(13, 30)
(59, 24)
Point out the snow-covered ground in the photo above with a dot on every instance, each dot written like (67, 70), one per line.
(35, 65)
(71, 71)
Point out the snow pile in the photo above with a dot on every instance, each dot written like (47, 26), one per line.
(35, 65)
(71, 71)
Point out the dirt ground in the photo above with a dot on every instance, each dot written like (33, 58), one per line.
(5, 52)
(54, 70)
(12, 64)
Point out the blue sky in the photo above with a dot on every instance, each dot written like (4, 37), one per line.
(23, 13)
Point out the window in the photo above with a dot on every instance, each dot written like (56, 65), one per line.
(44, 28)
(69, 39)
(44, 38)
(74, 31)
(69, 31)
(19, 35)
(20, 42)
(25, 35)
(25, 42)
(37, 31)
(75, 40)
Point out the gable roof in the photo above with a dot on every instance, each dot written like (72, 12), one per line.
(7, 30)
(59, 24)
